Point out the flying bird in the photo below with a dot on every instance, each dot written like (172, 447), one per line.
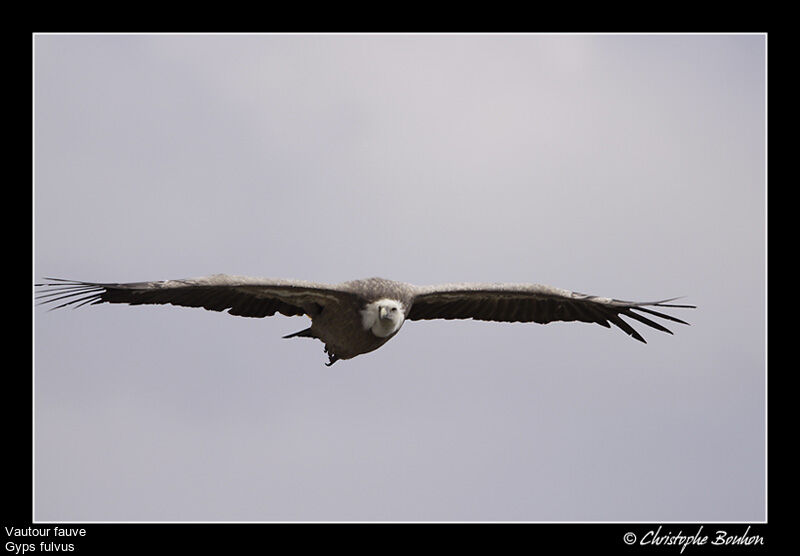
(360, 316)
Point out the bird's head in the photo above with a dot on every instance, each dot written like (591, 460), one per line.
(384, 317)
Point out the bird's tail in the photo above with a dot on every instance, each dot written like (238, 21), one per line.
(307, 333)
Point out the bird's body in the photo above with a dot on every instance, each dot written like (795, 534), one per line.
(356, 330)
(360, 316)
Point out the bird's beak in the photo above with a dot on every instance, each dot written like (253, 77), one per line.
(384, 312)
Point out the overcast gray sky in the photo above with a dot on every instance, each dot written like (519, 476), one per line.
(625, 166)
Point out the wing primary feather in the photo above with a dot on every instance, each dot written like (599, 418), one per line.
(62, 292)
(625, 327)
(79, 299)
(88, 300)
(58, 296)
(664, 315)
(666, 303)
(645, 320)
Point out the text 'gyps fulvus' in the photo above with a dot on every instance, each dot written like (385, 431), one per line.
(360, 316)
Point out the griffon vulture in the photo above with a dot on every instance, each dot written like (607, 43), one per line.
(360, 316)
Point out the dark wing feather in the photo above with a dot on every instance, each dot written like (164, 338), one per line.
(534, 303)
(241, 296)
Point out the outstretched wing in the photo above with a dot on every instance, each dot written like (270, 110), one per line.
(534, 303)
(241, 295)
